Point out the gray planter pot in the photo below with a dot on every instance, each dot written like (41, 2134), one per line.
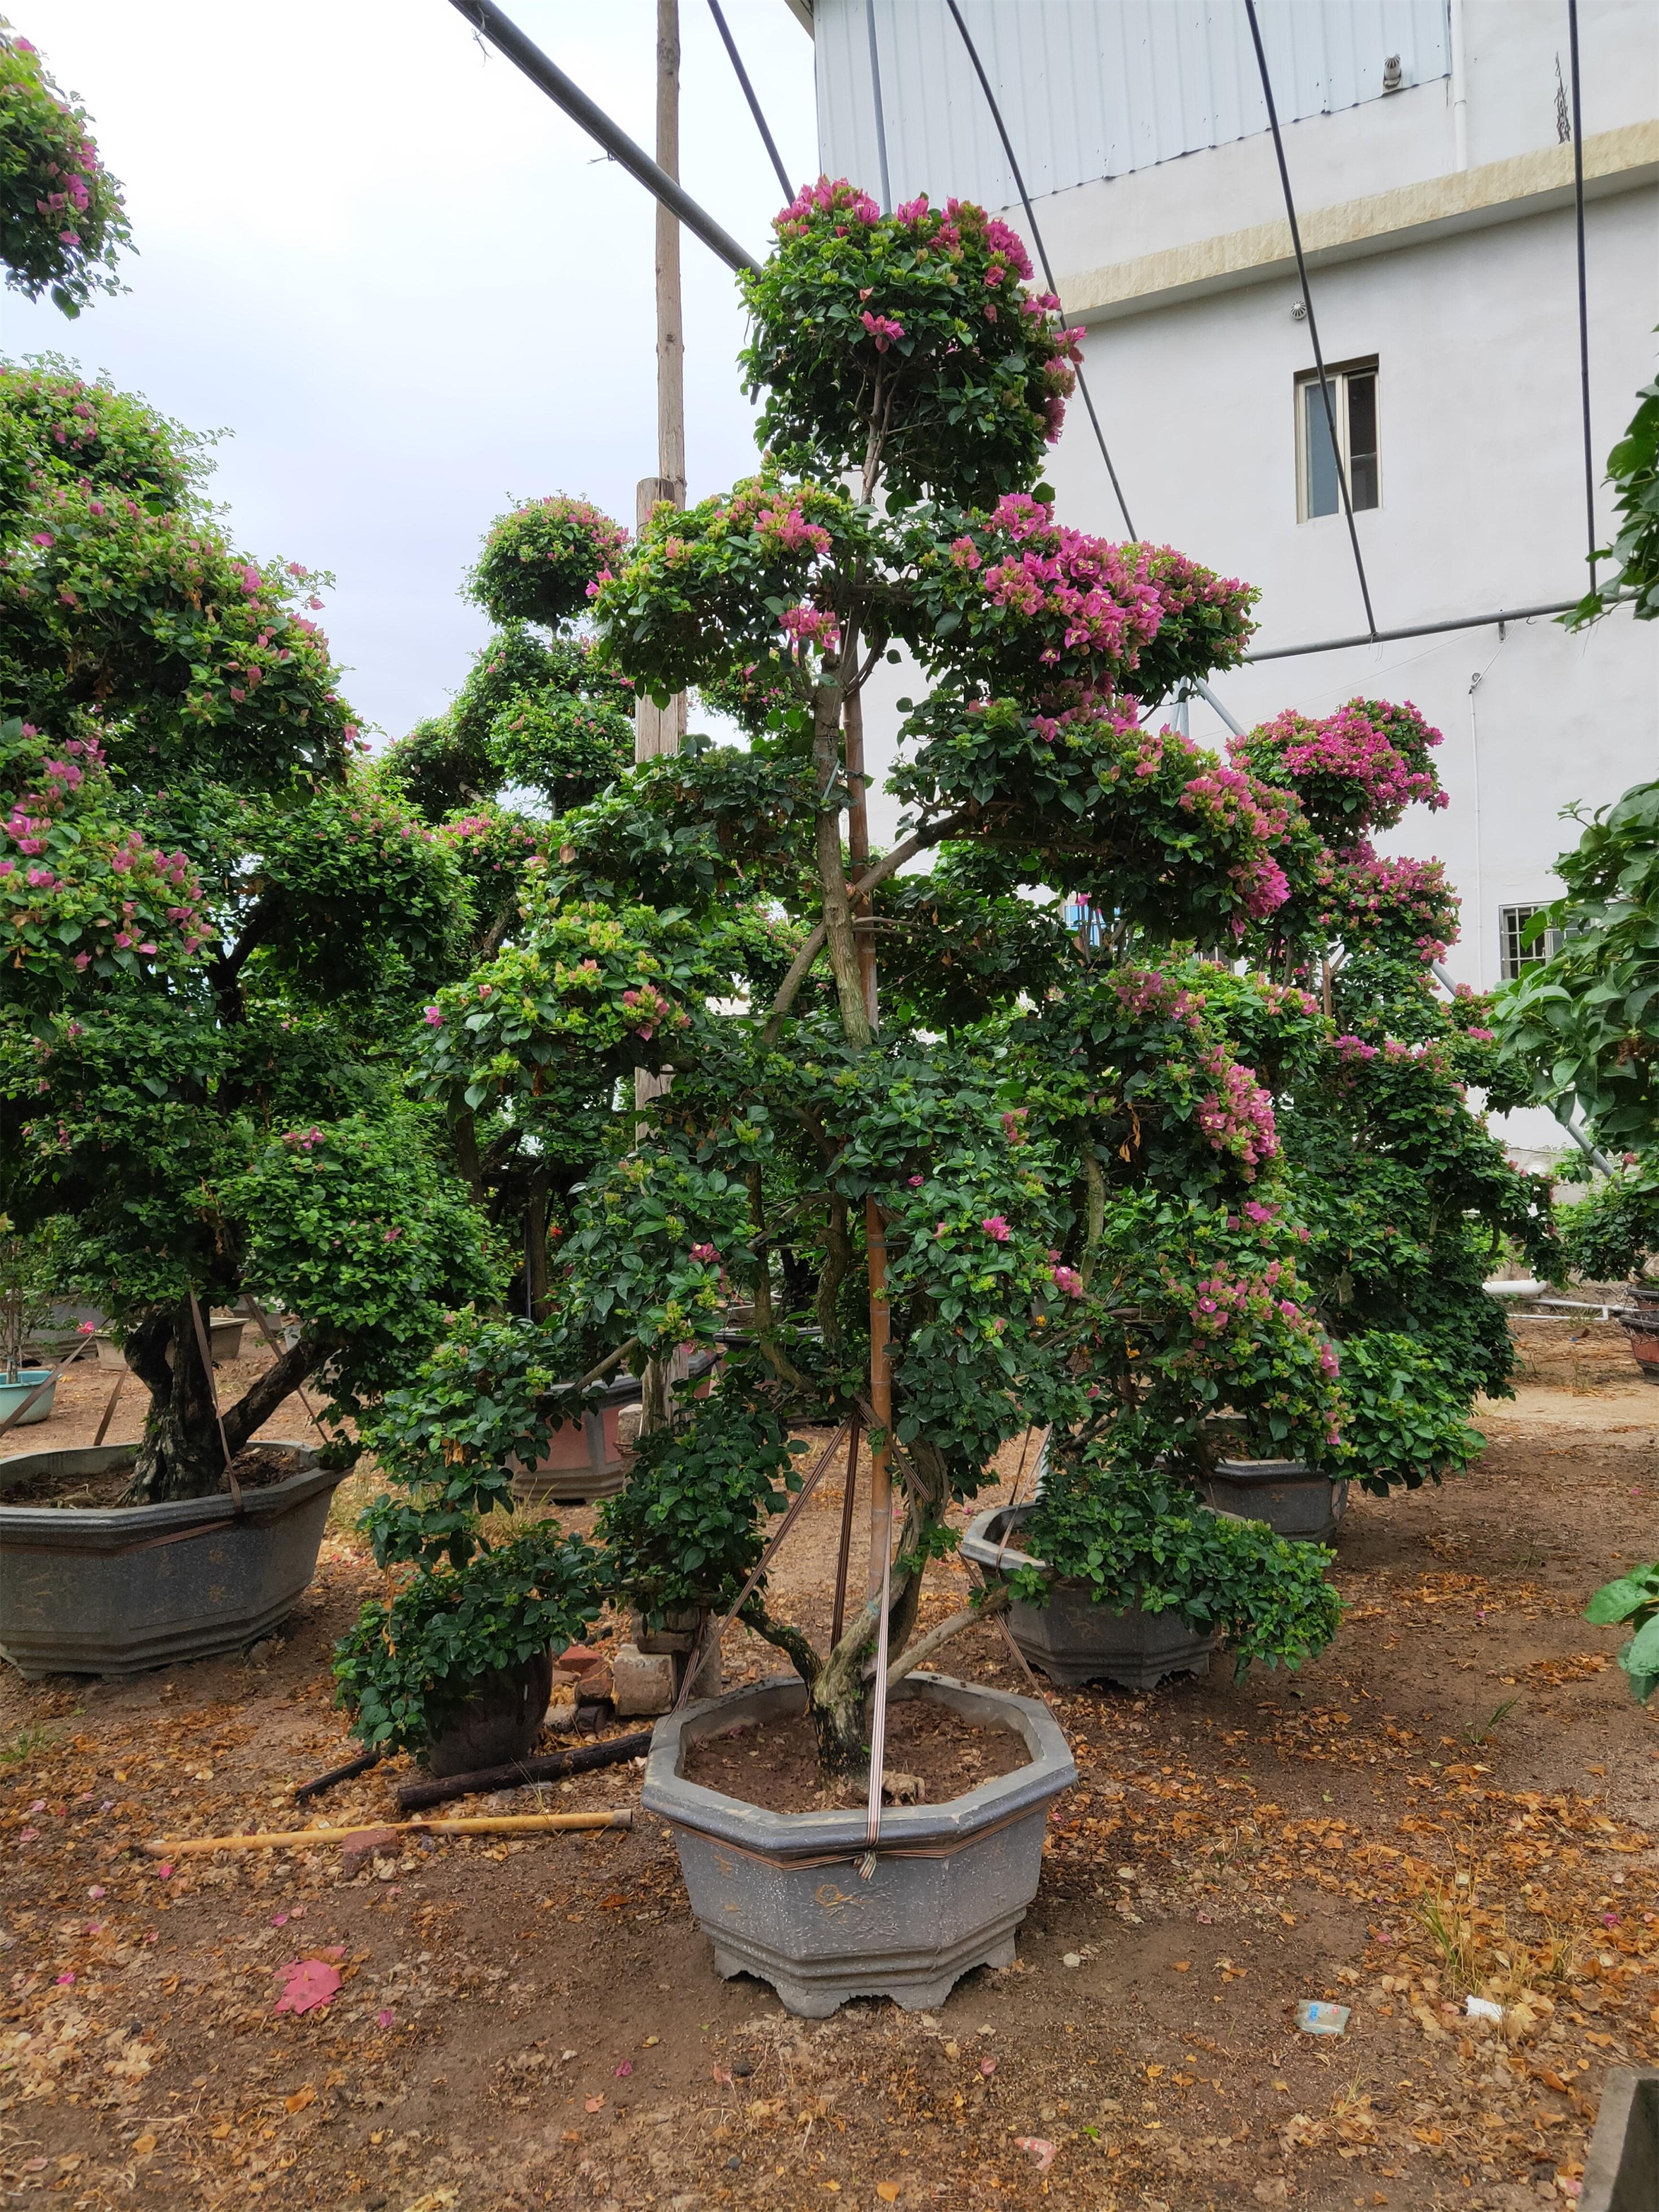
(1621, 2174)
(1293, 1499)
(121, 1589)
(783, 1897)
(1071, 1639)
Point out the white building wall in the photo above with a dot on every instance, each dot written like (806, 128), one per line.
(1463, 283)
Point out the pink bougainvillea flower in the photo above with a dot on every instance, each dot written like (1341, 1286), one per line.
(995, 1226)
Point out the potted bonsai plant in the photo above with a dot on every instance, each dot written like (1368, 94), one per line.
(1402, 1189)
(854, 1150)
(221, 923)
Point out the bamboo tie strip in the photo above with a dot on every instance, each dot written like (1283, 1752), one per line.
(503, 1824)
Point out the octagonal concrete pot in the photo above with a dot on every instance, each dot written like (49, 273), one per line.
(784, 1896)
(1072, 1639)
(1294, 1500)
(118, 1589)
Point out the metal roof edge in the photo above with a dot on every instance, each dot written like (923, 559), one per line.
(1472, 199)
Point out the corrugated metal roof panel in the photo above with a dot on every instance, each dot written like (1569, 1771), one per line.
(1092, 88)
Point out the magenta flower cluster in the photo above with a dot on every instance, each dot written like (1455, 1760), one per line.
(1096, 598)
(1237, 1115)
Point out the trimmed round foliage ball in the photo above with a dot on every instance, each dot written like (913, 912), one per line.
(538, 562)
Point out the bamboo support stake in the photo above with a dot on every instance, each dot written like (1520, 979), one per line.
(501, 1824)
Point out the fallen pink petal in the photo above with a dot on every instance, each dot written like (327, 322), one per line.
(307, 1984)
(1041, 2150)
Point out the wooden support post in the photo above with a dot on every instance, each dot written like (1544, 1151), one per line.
(659, 730)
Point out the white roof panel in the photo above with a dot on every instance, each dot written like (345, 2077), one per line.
(1092, 89)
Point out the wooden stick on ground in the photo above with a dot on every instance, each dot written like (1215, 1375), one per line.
(503, 1824)
(552, 1766)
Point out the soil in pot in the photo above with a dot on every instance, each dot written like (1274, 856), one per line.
(774, 1764)
(256, 1466)
(498, 1722)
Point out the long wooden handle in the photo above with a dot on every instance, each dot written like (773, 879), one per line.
(503, 1824)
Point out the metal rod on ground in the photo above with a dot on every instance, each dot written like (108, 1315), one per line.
(502, 31)
(519, 1773)
(497, 1824)
(349, 1773)
(730, 45)
(19, 1409)
(1417, 630)
(838, 1620)
(1307, 302)
(1584, 299)
(1036, 240)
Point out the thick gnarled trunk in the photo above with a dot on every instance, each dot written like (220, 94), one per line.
(182, 1453)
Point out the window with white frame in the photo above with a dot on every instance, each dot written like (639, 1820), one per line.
(1352, 385)
(1519, 947)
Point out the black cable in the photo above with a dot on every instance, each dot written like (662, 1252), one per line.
(501, 31)
(730, 45)
(1420, 629)
(881, 119)
(1036, 240)
(1307, 302)
(1584, 302)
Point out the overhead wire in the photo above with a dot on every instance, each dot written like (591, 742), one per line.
(730, 45)
(1036, 240)
(1307, 303)
(881, 118)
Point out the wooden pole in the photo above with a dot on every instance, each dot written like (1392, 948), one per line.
(659, 730)
(875, 1234)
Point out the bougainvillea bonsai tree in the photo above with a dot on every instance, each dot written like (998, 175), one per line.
(62, 223)
(540, 724)
(1405, 1193)
(889, 1108)
(219, 924)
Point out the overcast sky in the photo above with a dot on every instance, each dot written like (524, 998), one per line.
(402, 281)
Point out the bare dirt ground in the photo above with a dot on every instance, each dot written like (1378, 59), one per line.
(1459, 1797)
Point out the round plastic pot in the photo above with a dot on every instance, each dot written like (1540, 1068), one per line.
(14, 1394)
(1294, 1500)
(497, 1722)
(802, 1900)
(1072, 1639)
(122, 1589)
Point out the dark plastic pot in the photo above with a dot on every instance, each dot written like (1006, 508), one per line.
(1621, 2174)
(1293, 1500)
(496, 1723)
(1072, 1639)
(118, 1589)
